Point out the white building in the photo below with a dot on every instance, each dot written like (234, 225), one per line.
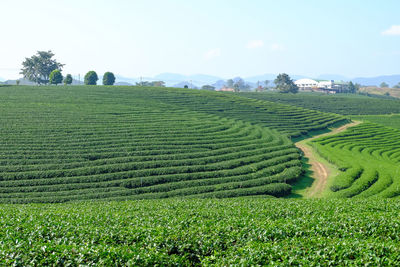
(306, 84)
(322, 86)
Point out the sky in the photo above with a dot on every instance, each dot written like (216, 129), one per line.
(225, 38)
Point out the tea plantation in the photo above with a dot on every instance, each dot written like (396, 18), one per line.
(209, 232)
(345, 104)
(60, 144)
(179, 177)
(368, 155)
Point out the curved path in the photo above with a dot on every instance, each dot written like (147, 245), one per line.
(320, 172)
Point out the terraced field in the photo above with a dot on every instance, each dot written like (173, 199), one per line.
(369, 157)
(60, 144)
(345, 104)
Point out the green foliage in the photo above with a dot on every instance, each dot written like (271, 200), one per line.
(384, 85)
(38, 67)
(136, 143)
(285, 85)
(368, 154)
(108, 78)
(231, 232)
(352, 88)
(346, 104)
(55, 77)
(68, 79)
(91, 78)
(208, 87)
(151, 84)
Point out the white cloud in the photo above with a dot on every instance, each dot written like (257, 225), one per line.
(213, 53)
(255, 44)
(393, 30)
(276, 47)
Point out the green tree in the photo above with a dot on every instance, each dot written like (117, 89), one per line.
(55, 77)
(285, 85)
(384, 85)
(208, 87)
(185, 86)
(266, 83)
(68, 79)
(352, 88)
(108, 78)
(38, 67)
(230, 83)
(91, 78)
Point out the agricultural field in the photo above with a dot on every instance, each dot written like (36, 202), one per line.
(392, 121)
(208, 232)
(141, 176)
(345, 104)
(368, 157)
(62, 144)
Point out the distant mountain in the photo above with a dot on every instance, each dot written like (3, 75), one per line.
(22, 81)
(219, 84)
(123, 84)
(171, 79)
(335, 77)
(389, 79)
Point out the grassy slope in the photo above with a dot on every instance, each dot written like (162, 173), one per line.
(81, 142)
(345, 104)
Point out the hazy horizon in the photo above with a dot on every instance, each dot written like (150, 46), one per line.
(224, 39)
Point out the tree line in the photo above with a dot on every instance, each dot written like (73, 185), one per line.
(41, 68)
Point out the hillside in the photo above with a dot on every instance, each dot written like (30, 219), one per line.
(345, 104)
(81, 142)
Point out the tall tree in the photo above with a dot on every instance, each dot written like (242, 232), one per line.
(266, 83)
(38, 67)
(55, 77)
(285, 85)
(230, 83)
(91, 78)
(384, 85)
(68, 79)
(352, 88)
(108, 78)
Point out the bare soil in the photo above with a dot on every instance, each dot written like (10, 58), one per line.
(320, 171)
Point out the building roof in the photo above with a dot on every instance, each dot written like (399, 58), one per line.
(306, 81)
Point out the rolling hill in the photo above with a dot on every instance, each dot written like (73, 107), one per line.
(82, 142)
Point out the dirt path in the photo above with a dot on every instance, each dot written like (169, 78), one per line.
(320, 171)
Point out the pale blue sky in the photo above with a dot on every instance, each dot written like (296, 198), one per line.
(219, 37)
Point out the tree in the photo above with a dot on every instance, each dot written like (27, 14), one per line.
(38, 67)
(185, 86)
(229, 83)
(352, 88)
(91, 78)
(158, 84)
(208, 87)
(397, 86)
(68, 79)
(108, 78)
(266, 82)
(55, 77)
(285, 85)
(384, 85)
